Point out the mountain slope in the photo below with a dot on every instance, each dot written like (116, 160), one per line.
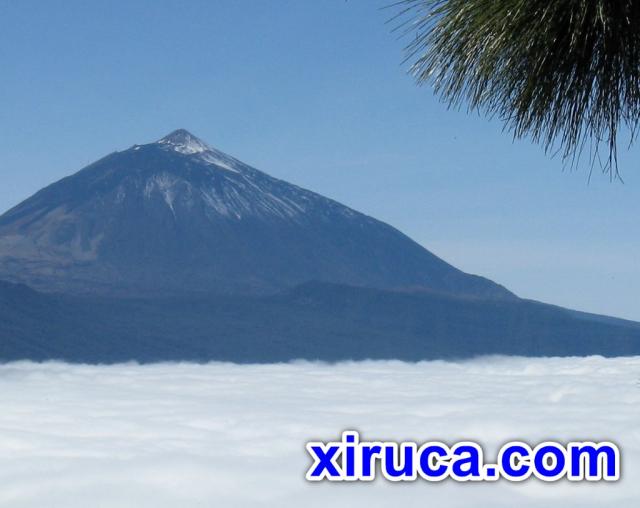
(177, 217)
(314, 322)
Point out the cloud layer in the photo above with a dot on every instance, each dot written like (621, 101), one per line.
(228, 435)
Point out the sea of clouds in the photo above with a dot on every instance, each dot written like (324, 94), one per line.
(186, 435)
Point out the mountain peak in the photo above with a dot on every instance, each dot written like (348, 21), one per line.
(179, 217)
(181, 140)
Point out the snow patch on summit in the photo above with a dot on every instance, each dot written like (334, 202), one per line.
(184, 142)
(218, 159)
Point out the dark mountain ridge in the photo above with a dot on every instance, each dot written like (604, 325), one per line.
(315, 321)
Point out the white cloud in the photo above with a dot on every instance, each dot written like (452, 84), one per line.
(228, 435)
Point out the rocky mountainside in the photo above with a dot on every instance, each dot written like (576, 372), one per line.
(177, 217)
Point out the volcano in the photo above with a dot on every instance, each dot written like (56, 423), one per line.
(175, 251)
(177, 217)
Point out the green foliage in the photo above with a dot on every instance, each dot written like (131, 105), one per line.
(565, 72)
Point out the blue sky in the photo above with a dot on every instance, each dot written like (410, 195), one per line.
(314, 93)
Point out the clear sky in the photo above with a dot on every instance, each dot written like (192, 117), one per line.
(313, 92)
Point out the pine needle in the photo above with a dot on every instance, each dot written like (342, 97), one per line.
(564, 72)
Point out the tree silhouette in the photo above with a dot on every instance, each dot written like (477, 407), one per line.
(564, 72)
